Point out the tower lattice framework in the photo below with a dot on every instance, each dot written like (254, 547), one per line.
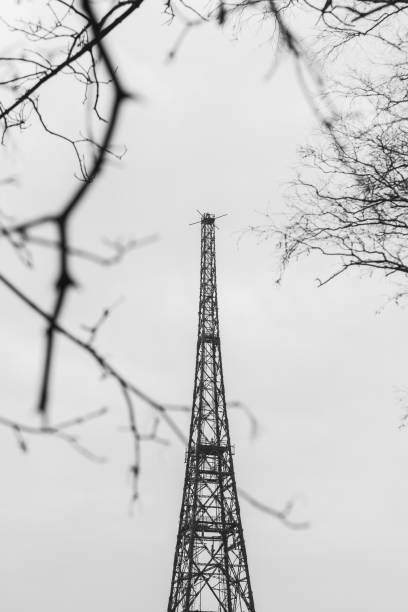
(210, 571)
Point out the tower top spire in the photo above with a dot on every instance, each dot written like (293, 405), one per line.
(207, 218)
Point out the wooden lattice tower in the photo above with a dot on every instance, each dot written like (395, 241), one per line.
(210, 571)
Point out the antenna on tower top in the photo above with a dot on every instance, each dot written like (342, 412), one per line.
(207, 218)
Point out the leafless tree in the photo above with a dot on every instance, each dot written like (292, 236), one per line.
(349, 201)
(70, 39)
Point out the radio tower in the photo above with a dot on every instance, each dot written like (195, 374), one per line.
(210, 571)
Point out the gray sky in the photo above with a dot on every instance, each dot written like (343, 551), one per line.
(319, 368)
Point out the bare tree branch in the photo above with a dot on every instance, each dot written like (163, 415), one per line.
(58, 430)
(69, 40)
(283, 515)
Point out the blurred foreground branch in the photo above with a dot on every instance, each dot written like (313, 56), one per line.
(69, 39)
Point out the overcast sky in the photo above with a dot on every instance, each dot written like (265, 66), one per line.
(318, 367)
